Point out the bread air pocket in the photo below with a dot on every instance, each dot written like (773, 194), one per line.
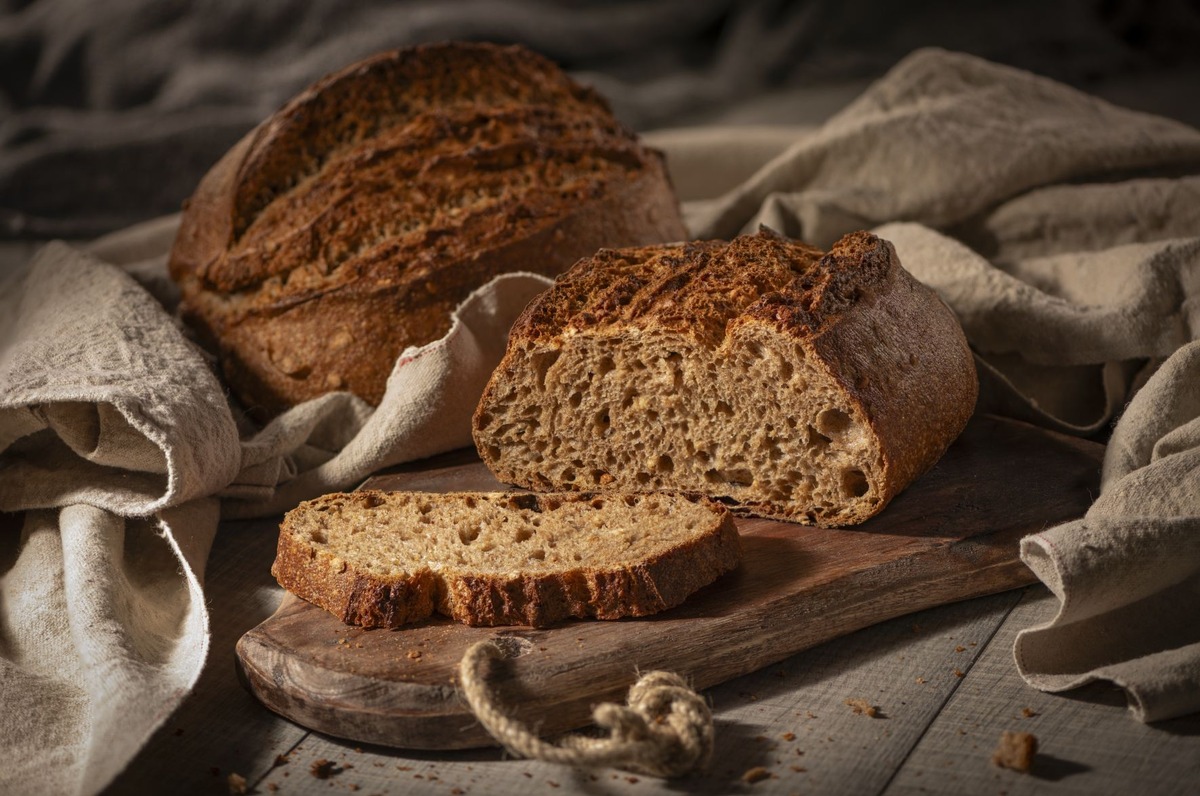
(791, 383)
(385, 559)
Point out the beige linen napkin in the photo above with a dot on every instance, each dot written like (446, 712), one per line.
(1065, 233)
(116, 441)
(1062, 230)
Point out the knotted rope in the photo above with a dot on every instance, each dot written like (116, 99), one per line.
(665, 729)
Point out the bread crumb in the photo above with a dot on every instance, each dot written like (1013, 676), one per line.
(960, 648)
(282, 760)
(237, 785)
(862, 707)
(959, 673)
(271, 786)
(921, 681)
(1029, 713)
(789, 736)
(756, 774)
(414, 655)
(799, 769)
(321, 769)
(1015, 751)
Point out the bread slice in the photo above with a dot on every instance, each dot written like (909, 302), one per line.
(795, 384)
(351, 223)
(383, 559)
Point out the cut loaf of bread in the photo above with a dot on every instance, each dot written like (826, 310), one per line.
(795, 384)
(351, 223)
(383, 559)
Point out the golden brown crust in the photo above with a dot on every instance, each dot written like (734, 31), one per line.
(894, 352)
(351, 223)
(624, 588)
(695, 288)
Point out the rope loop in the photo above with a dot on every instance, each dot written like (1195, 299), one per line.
(664, 729)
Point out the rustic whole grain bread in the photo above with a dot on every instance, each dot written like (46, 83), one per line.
(794, 384)
(382, 559)
(351, 223)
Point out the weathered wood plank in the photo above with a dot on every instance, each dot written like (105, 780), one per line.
(951, 536)
(790, 719)
(1088, 742)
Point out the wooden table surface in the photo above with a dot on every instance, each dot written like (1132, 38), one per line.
(943, 679)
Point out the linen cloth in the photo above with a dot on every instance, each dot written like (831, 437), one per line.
(110, 113)
(1062, 230)
(1065, 233)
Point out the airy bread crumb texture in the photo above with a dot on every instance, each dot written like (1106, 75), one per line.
(758, 371)
(387, 558)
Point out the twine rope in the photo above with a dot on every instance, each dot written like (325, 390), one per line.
(664, 729)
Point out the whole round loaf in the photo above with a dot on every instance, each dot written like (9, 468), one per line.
(351, 223)
(795, 384)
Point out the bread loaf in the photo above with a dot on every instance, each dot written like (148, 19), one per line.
(794, 384)
(350, 224)
(382, 559)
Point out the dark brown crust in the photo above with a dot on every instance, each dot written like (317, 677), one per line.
(354, 597)
(634, 588)
(694, 288)
(293, 256)
(891, 344)
(902, 357)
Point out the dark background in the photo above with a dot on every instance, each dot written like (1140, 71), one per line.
(112, 110)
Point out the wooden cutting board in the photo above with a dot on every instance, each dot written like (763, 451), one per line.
(952, 535)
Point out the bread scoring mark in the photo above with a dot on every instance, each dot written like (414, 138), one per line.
(697, 288)
(452, 165)
(387, 90)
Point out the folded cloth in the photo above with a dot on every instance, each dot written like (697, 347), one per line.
(118, 443)
(1061, 229)
(1065, 233)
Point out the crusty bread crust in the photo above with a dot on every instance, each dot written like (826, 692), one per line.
(607, 587)
(888, 354)
(350, 224)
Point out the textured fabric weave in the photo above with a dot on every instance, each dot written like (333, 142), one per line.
(1062, 230)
